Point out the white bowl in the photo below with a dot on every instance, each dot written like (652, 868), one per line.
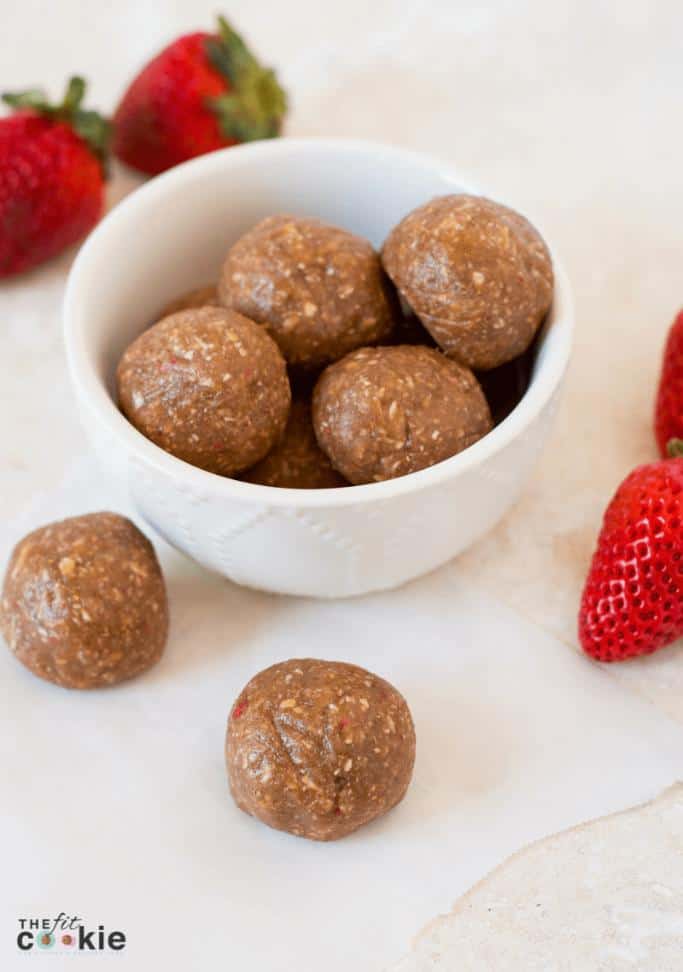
(171, 235)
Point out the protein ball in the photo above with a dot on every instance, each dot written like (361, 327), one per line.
(84, 602)
(207, 385)
(319, 290)
(386, 412)
(297, 461)
(319, 748)
(206, 296)
(477, 274)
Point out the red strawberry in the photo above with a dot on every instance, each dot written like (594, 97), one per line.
(51, 176)
(633, 599)
(201, 93)
(669, 407)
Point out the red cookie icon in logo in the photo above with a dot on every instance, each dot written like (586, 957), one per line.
(68, 939)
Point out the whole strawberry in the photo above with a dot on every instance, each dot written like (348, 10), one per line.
(633, 599)
(669, 405)
(52, 162)
(201, 93)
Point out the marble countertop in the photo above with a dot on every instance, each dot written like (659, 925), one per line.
(571, 111)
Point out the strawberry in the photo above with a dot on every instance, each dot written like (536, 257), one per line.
(51, 176)
(201, 93)
(633, 599)
(669, 406)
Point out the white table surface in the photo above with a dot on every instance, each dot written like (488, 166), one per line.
(572, 111)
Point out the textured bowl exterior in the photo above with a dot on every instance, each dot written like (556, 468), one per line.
(322, 543)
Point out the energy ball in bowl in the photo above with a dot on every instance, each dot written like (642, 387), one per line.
(386, 412)
(319, 290)
(207, 385)
(319, 748)
(297, 461)
(206, 296)
(84, 602)
(477, 274)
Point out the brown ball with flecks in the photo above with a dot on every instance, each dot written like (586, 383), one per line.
(207, 385)
(385, 412)
(297, 461)
(319, 748)
(84, 602)
(319, 289)
(477, 274)
(206, 296)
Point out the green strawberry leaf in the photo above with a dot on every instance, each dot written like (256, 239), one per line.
(255, 104)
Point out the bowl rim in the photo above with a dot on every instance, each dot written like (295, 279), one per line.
(92, 393)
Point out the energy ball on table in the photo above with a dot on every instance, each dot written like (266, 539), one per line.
(297, 461)
(206, 296)
(319, 748)
(207, 385)
(84, 602)
(477, 274)
(319, 290)
(385, 412)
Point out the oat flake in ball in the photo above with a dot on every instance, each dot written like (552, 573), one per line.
(207, 385)
(477, 274)
(319, 748)
(84, 602)
(385, 412)
(319, 290)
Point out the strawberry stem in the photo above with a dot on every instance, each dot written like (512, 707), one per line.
(674, 448)
(88, 125)
(75, 92)
(255, 104)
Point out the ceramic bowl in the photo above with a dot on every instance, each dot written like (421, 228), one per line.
(171, 235)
